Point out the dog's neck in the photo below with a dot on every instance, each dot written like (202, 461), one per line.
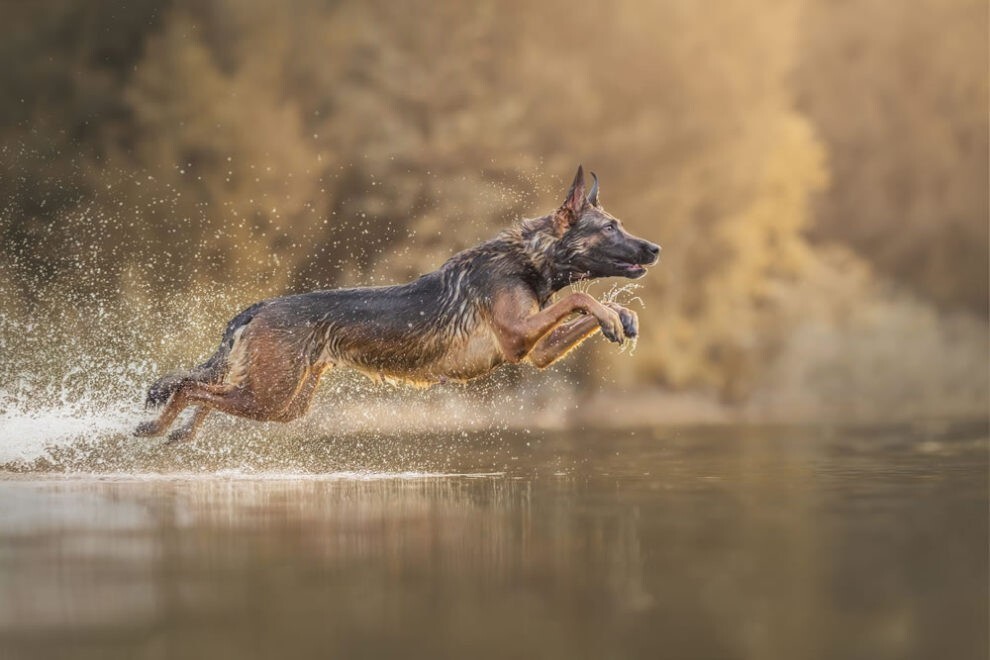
(548, 255)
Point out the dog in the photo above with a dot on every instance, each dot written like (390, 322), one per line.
(486, 306)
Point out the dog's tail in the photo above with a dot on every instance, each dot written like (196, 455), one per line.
(214, 370)
(162, 390)
(211, 371)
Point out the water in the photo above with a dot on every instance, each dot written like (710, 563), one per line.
(719, 542)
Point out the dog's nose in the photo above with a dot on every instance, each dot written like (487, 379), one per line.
(653, 250)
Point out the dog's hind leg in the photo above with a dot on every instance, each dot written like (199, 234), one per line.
(225, 398)
(263, 399)
(304, 397)
(267, 374)
(220, 397)
(233, 400)
(188, 430)
(166, 391)
(177, 402)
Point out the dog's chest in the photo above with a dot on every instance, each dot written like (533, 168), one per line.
(470, 356)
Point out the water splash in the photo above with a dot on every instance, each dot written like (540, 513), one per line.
(27, 434)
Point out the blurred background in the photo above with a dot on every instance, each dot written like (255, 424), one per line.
(815, 170)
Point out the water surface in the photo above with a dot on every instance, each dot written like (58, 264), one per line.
(683, 543)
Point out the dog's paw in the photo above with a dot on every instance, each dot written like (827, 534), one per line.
(146, 430)
(611, 325)
(629, 318)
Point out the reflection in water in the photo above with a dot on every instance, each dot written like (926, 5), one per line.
(780, 543)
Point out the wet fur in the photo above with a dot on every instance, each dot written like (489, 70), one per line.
(485, 306)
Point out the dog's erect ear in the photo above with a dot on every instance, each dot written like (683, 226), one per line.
(576, 200)
(573, 204)
(593, 195)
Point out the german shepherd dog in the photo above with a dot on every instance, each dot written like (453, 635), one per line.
(485, 306)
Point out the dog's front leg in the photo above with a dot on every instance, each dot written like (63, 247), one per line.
(567, 336)
(519, 328)
(561, 340)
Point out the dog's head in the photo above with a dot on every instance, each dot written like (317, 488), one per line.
(592, 243)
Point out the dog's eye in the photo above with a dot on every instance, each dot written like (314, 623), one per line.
(610, 226)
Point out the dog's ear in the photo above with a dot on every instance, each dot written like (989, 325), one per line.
(593, 194)
(573, 204)
(575, 200)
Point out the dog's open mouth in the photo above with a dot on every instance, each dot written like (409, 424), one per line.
(632, 270)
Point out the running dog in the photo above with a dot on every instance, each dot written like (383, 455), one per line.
(485, 306)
